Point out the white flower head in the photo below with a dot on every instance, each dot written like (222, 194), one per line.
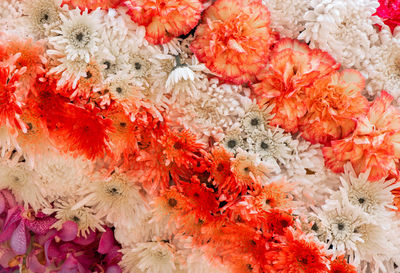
(373, 198)
(341, 224)
(84, 217)
(23, 182)
(61, 174)
(117, 198)
(150, 257)
(78, 36)
(233, 141)
(42, 15)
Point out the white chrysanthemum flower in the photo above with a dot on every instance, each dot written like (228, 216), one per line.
(340, 224)
(342, 28)
(149, 257)
(216, 110)
(61, 174)
(146, 228)
(122, 88)
(23, 182)
(117, 198)
(383, 69)
(42, 15)
(233, 141)
(271, 146)
(373, 198)
(185, 82)
(375, 245)
(78, 36)
(84, 217)
(287, 16)
(254, 121)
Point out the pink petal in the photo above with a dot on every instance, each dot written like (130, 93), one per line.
(2, 202)
(40, 226)
(34, 265)
(114, 269)
(90, 238)
(70, 265)
(19, 242)
(106, 242)
(69, 231)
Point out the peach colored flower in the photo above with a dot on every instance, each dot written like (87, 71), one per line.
(374, 144)
(165, 19)
(234, 39)
(333, 103)
(293, 67)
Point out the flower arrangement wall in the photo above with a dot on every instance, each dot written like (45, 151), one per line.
(196, 136)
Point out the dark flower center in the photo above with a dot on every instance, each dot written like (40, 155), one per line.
(361, 200)
(254, 122)
(138, 66)
(232, 143)
(172, 202)
(340, 226)
(264, 145)
(79, 36)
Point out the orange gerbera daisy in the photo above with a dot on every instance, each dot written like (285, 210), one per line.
(31, 57)
(10, 104)
(333, 104)
(340, 265)
(123, 136)
(234, 39)
(300, 254)
(165, 19)
(274, 195)
(293, 67)
(180, 147)
(375, 143)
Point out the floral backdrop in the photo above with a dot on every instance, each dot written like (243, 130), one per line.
(196, 136)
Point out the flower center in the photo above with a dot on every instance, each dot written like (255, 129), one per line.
(232, 143)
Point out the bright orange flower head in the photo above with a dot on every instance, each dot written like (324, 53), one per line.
(300, 255)
(274, 195)
(340, 265)
(180, 147)
(234, 39)
(10, 104)
(375, 143)
(165, 19)
(31, 57)
(333, 104)
(293, 66)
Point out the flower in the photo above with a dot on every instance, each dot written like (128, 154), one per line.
(23, 182)
(373, 145)
(300, 254)
(84, 217)
(165, 19)
(389, 12)
(10, 104)
(78, 36)
(229, 33)
(149, 257)
(342, 28)
(114, 197)
(293, 66)
(333, 103)
(92, 4)
(42, 15)
(340, 224)
(373, 198)
(340, 265)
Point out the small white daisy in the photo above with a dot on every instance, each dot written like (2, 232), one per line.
(233, 141)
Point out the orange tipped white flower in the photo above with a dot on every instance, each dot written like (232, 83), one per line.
(333, 104)
(375, 143)
(292, 68)
(234, 39)
(165, 19)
